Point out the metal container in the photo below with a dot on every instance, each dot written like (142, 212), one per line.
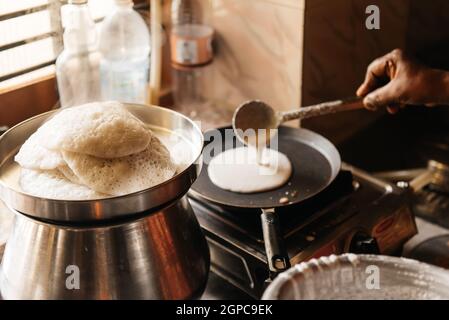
(179, 131)
(145, 245)
(351, 276)
(161, 255)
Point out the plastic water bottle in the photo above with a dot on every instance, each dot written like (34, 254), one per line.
(77, 67)
(125, 48)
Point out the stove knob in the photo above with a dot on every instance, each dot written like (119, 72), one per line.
(363, 243)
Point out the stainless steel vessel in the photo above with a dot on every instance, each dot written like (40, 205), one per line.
(161, 255)
(181, 132)
(361, 277)
(145, 245)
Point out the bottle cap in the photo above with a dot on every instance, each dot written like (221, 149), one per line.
(124, 2)
(77, 1)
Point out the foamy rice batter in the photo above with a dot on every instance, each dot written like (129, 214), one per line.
(238, 170)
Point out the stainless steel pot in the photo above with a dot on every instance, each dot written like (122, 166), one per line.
(161, 255)
(181, 132)
(351, 276)
(145, 245)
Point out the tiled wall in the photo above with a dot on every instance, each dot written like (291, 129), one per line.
(337, 49)
(338, 46)
(259, 52)
(292, 52)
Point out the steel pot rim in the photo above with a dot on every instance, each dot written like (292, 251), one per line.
(316, 266)
(54, 209)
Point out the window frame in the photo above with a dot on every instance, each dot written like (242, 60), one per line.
(24, 100)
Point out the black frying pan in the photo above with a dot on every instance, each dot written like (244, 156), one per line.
(316, 162)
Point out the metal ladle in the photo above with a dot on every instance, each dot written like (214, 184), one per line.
(256, 115)
(247, 121)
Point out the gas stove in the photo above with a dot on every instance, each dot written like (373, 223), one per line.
(430, 205)
(356, 213)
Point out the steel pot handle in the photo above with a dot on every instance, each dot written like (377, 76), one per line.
(277, 256)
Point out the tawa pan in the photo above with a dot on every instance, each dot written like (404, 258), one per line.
(315, 160)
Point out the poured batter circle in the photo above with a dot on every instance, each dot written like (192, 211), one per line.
(238, 170)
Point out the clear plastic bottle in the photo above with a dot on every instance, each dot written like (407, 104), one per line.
(77, 67)
(125, 48)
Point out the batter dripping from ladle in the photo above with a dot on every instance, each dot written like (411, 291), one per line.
(255, 168)
(251, 176)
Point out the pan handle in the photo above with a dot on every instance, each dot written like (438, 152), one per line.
(277, 256)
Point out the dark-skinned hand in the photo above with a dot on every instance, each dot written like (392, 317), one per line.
(396, 80)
